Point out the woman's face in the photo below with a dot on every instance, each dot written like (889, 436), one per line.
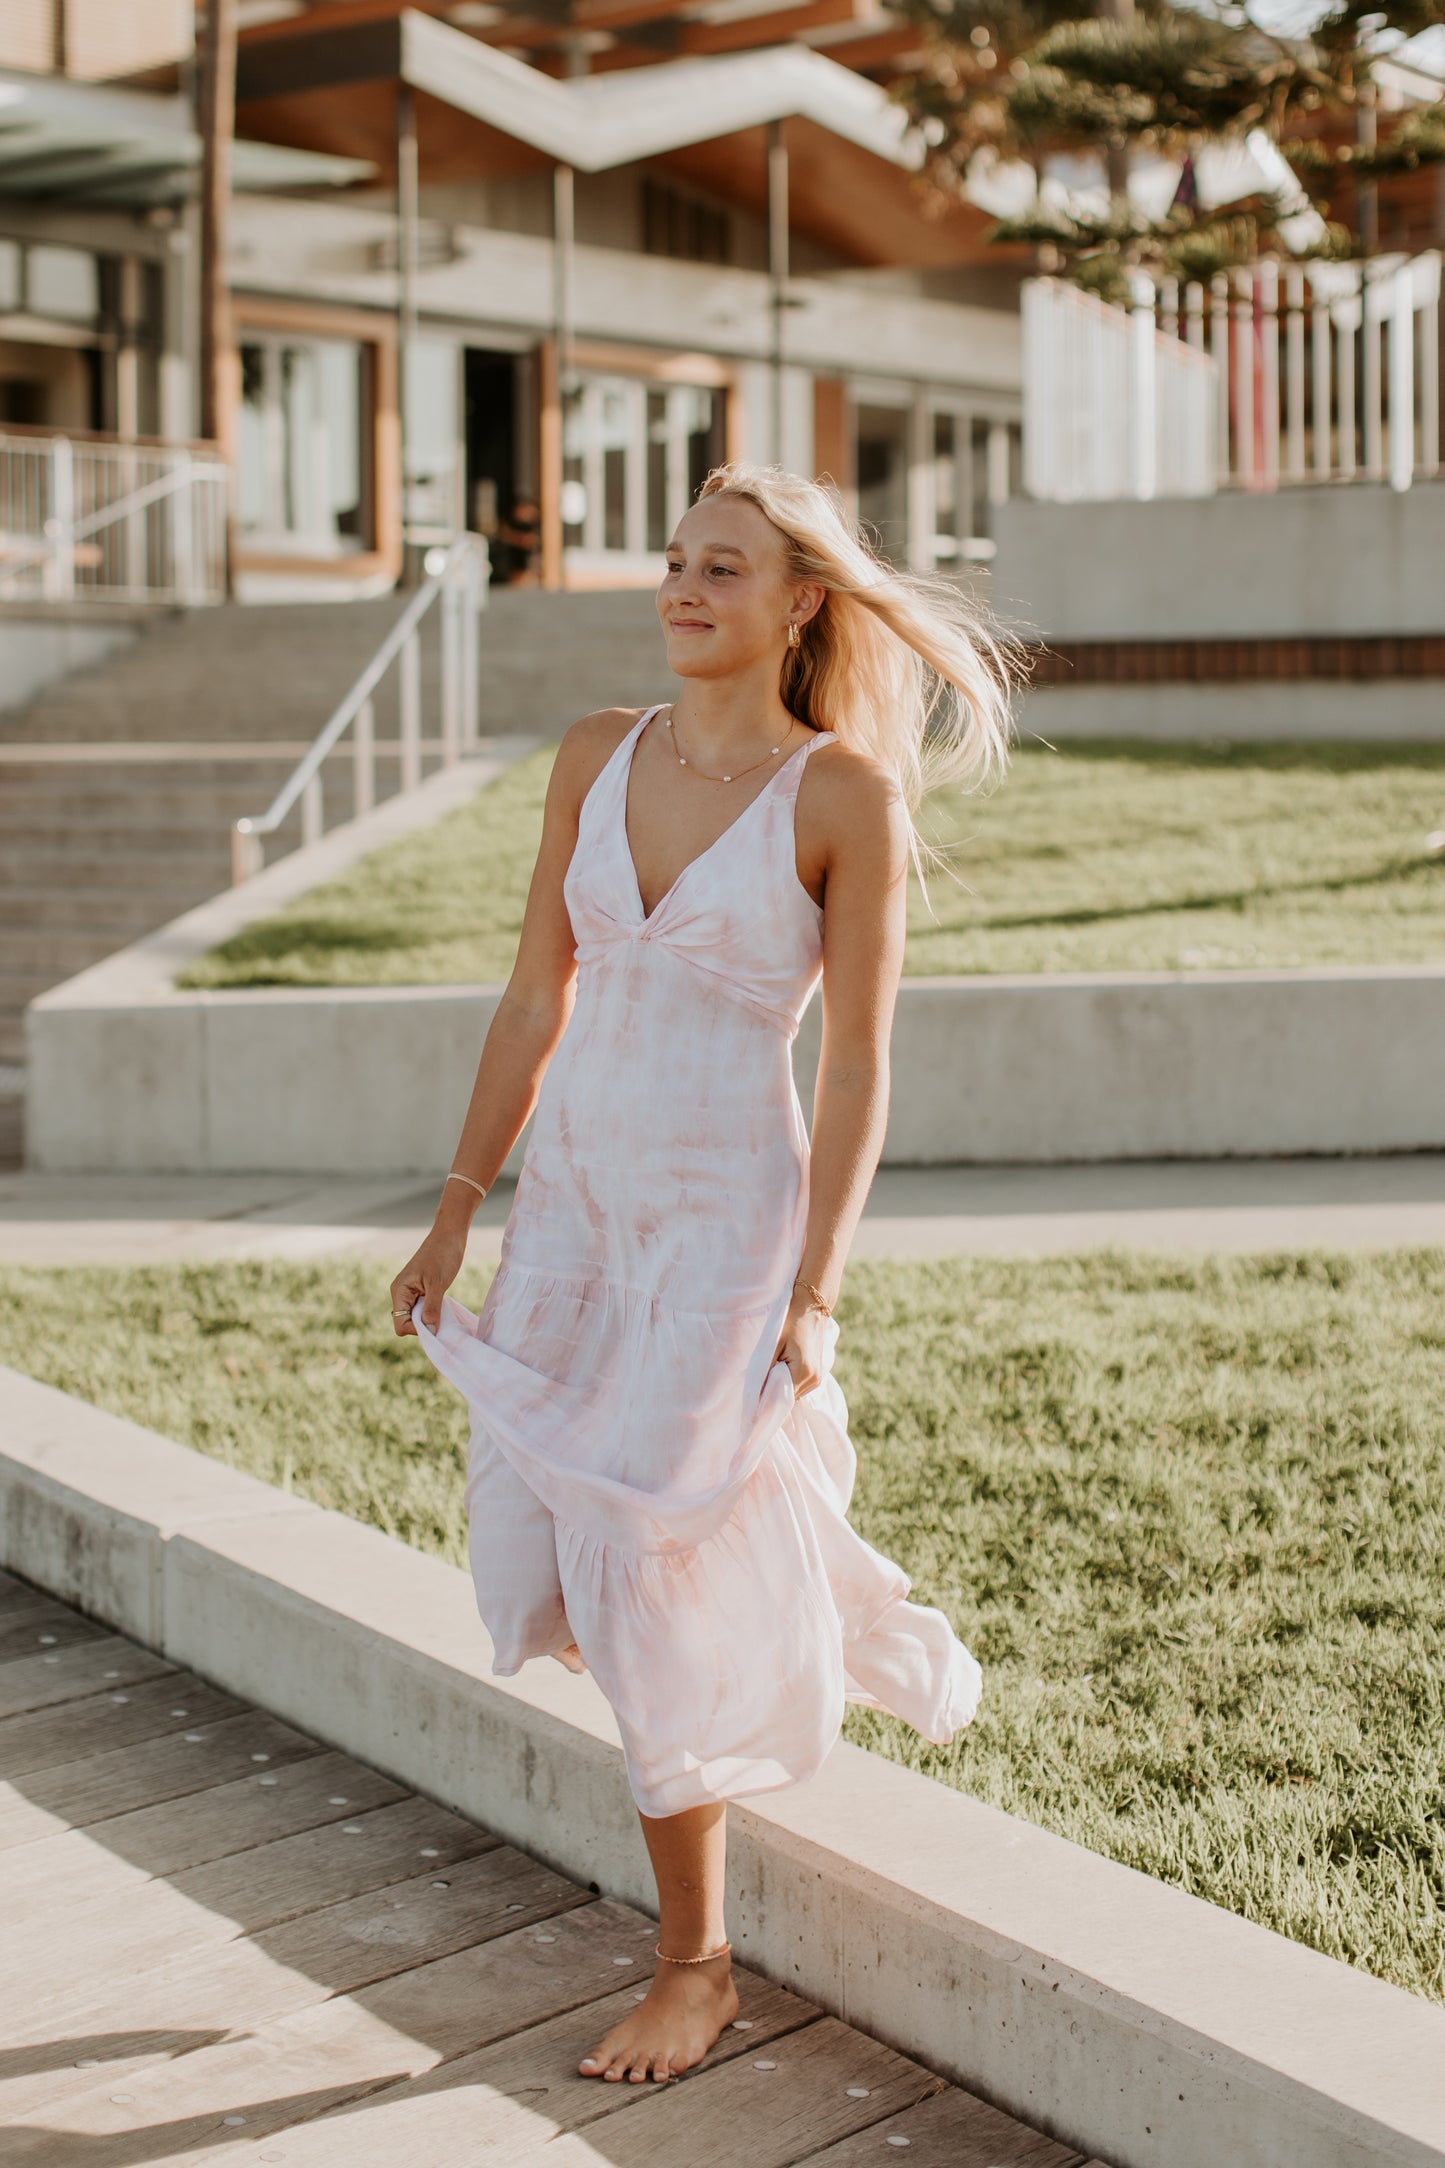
(725, 599)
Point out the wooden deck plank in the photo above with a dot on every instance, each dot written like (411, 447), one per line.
(83, 1866)
(45, 1737)
(221, 1933)
(149, 1922)
(333, 2052)
(76, 1795)
(40, 1626)
(952, 2129)
(507, 2102)
(104, 1665)
(340, 1950)
(443, 2001)
(822, 2083)
(16, 1594)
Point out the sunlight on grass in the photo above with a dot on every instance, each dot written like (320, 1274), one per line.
(1190, 1516)
(1099, 857)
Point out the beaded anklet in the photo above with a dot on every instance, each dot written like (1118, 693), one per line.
(721, 1951)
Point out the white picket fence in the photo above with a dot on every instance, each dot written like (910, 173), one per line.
(1113, 407)
(1270, 375)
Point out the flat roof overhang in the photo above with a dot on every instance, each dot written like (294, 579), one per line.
(483, 114)
(79, 143)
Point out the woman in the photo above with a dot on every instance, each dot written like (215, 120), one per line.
(660, 1469)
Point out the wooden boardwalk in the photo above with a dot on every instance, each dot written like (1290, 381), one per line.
(220, 1940)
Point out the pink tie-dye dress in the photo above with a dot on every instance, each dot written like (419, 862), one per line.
(643, 1479)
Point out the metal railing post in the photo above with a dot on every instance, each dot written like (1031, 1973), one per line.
(61, 524)
(311, 813)
(1430, 368)
(364, 764)
(410, 708)
(1372, 330)
(1345, 455)
(1402, 379)
(182, 538)
(473, 593)
(450, 675)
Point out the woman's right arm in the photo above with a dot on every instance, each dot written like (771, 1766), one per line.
(525, 1029)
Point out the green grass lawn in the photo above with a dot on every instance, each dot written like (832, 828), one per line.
(1098, 857)
(1189, 1515)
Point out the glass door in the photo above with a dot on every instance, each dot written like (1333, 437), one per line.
(300, 460)
(633, 457)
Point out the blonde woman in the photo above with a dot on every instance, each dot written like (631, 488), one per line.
(660, 1469)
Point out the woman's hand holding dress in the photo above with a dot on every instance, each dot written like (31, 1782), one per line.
(428, 1274)
(801, 1346)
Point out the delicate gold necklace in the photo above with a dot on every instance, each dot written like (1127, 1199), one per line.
(684, 763)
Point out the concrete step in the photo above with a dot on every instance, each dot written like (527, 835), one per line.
(126, 912)
(54, 953)
(26, 867)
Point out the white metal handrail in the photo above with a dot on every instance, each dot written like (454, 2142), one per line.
(163, 538)
(458, 586)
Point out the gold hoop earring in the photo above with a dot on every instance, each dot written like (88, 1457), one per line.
(792, 633)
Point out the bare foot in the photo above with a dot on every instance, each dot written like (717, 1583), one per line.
(685, 2009)
(571, 1656)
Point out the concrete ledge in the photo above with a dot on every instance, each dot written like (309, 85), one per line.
(1257, 712)
(1123, 2017)
(1107, 1066)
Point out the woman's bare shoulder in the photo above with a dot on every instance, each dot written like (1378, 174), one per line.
(849, 794)
(587, 745)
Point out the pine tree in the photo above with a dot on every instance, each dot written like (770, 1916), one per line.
(1019, 79)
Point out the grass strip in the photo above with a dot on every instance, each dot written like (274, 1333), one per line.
(1189, 1514)
(1095, 857)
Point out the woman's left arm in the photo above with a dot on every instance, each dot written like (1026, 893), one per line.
(865, 855)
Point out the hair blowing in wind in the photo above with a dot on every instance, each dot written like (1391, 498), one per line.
(903, 666)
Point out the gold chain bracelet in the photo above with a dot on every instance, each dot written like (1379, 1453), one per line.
(817, 1302)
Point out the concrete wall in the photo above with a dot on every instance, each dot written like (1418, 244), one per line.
(1138, 1066)
(1335, 559)
(1261, 711)
(34, 652)
(504, 280)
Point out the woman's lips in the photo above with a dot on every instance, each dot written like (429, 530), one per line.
(688, 624)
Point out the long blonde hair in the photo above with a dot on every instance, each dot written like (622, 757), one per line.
(902, 666)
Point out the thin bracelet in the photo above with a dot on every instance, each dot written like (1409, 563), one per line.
(455, 1177)
(817, 1302)
(721, 1951)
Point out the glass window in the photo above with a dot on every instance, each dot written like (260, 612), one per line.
(10, 284)
(882, 470)
(658, 523)
(433, 434)
(574, 485)
(981, 520)
(704, 419)
(62, 282)
(946, 505)
(299, 444)
(615, 433)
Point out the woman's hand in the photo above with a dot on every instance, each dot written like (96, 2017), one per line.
(428, 1274)
(803, 1341)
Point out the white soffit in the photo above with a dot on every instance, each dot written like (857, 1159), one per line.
(595, 122)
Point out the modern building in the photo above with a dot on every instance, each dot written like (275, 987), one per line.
(548, 299)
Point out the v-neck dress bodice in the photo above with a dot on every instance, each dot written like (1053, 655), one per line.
(642, 1478)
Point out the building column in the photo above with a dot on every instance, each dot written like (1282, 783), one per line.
(407, 205)
(778, 265)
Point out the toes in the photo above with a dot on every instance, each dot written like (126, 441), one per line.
(661, 2070)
